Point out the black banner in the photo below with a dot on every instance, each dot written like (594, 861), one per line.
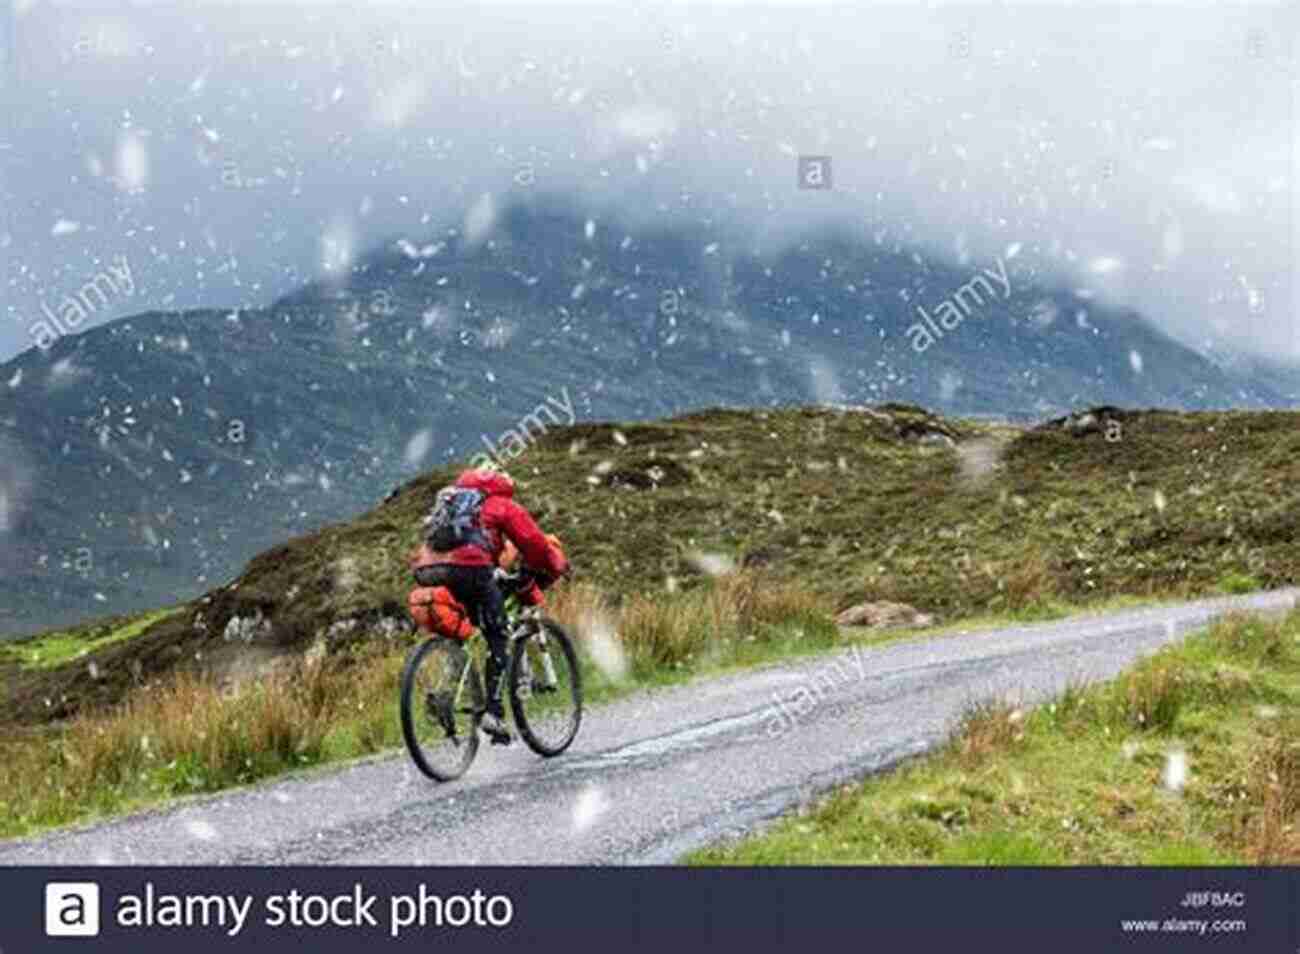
(144, 909)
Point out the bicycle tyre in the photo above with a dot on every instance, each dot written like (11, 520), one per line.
(433, 652)
(534, 727)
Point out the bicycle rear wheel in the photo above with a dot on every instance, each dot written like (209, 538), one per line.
(546, 688)
(441, 703)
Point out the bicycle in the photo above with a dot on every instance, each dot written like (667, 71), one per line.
(443, 700)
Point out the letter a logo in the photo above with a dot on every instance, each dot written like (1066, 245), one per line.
(72, 909)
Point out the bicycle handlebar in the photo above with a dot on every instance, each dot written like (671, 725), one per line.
(519, 580)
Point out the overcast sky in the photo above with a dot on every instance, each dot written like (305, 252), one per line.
(222, 155)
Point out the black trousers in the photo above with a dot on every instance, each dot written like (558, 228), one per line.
(476, 590)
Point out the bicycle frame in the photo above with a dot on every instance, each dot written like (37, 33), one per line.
(518, 627)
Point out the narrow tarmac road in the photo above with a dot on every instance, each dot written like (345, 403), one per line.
(650, 777)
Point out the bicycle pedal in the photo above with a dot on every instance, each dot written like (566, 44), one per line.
(500, 739)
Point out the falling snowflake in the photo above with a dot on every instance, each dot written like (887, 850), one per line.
(825, 382)
(604, 645)
(591, 804)
(132, 163)
(480, 220)
(201, 830)
(417, 448)
(714, 564)
(949, 383)
(1175, 774)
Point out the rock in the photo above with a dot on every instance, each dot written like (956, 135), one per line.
(884, 615)
(1094, 421)
(763, 556)
(391, 627)
(340, 629)
(1082, 423)
(247, 628)
(344, 631)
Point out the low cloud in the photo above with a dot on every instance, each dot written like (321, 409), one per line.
(953, 134)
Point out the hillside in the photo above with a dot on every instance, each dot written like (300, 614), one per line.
(144, 461)
(954, 516)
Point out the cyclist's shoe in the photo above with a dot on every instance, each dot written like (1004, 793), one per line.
(494, 725)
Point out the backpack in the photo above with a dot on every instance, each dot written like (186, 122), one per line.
(457, 520)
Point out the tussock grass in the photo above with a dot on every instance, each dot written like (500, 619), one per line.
(1242, 636)
(1270, 835)
(1190, 758)
(190, 734)
(663, 631)
(1150, 698)
(986, 730)
(659, 633)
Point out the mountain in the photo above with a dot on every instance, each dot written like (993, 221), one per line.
(141, 462)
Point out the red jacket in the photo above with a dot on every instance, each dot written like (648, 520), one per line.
(502, 519)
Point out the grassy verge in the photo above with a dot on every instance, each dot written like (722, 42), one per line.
(190, 735)
(1189, 758)
(54, 649)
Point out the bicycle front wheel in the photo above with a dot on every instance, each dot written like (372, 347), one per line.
(441, 703)
(546, 688)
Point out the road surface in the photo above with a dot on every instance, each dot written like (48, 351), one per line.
(650, 777)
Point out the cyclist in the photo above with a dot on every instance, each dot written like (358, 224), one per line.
(468, 572)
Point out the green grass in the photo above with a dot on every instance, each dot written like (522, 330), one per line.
(1083, 780)
(51, 650)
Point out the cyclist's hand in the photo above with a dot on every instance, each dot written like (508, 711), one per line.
(543, 578)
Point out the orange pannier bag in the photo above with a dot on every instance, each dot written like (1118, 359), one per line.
(435, 610)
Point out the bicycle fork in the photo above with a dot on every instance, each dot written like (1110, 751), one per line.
(527, 681)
